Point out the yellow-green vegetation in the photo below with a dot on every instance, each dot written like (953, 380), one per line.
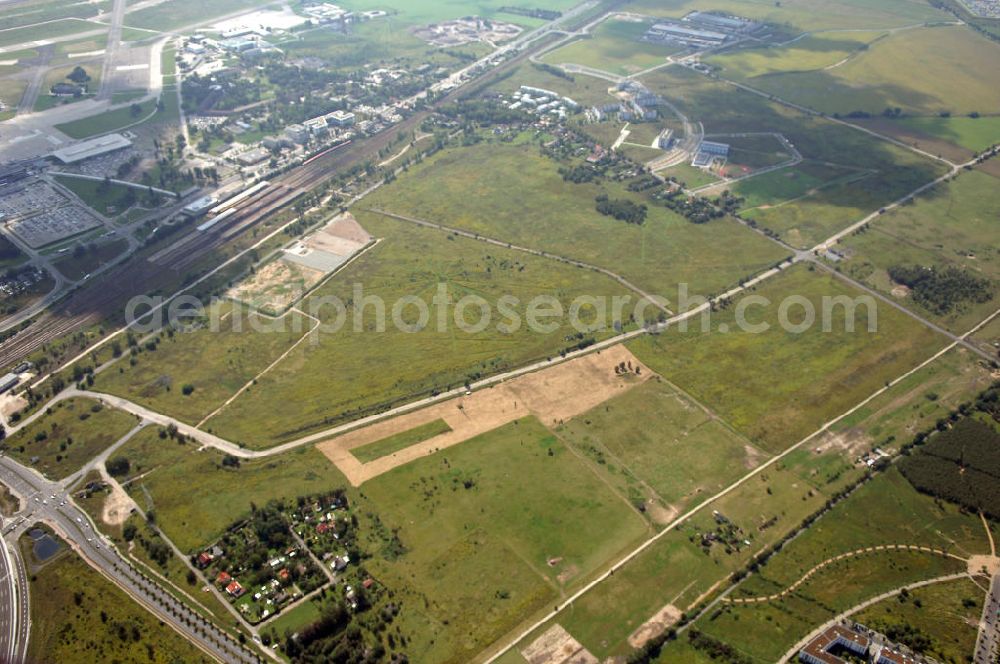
(914, 404)
(489, 532)
(354, 371)
(67, 436)
(191, 373)
(812, 52)
(11, 91)
(689, 176)
(400, 441)
(553, 215)
(952, 226)
(804, 14)
(79, 616)
(937, 621)
(884, 511)
(57, 28)
(614, 46)
(923, 71)
(866, 173)
(159, 111)
(974, 134)
(777, 385)
(196, 496)
(90, 258)
(660, 446)
(989, 335)
(106, 198)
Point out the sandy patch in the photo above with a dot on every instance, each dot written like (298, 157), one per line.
(557, 646)
(553, 395)
(117, 506)
(664, 618)
(276, 286)
(659, 514)
(978, 563)
(900, 291)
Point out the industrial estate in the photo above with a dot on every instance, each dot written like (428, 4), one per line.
(566, 332)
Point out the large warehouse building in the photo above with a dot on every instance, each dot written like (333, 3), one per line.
(92, 148)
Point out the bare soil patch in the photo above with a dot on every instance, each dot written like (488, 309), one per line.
(552, 395)
(661, 620)
(276, 286)
(557, 646)
(117, 506)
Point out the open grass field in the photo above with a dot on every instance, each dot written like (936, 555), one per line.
(750, 153)
(11, 91)
(79, 616)
(77, 268)
(184, 13)
(689, 176)
(911, 406)
(29, 13)
(812, 52)
(557, 216)
(974, 134)
(885, 511)
(345, 374)
(196, 498)
(816, 211)
(989, 336)
(951, 225)
(103, 200)
(43, 31)
(793, 184)
(945, 614)
(923, 71)
(490, 536)
(216, 361)
(614, 46)
(104, 123)
(585, 90)
(804, 14)
(61, 442)
(422, 12)
(748, 378)
(400, 441)
(662, 449)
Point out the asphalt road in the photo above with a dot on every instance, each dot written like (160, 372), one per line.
(48, 502)
(988, 643)
(14, 609)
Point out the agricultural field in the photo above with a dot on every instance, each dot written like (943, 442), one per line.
(345, 374)
(843, 190)
(747, 379)
(60, 442)
(949, 227)
(657, 256)
(614, 46)
(488, 538)
(79, 616)
(922, 71)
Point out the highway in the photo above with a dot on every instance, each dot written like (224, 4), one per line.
(988, 642)
(15, 612)
(48, 502)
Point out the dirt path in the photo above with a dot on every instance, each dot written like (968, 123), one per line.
(844, 556)
(553, 395)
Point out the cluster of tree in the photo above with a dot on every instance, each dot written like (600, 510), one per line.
(715, 649)
(483, 112)
(79, 76)
(942, 290)
(622, 209)
(960, 464)
(579, 173)
(202, 93)
(643, 183)
(545, 14)
(552, 70)
(697, 209)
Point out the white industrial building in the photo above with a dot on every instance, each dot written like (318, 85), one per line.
(93, 147)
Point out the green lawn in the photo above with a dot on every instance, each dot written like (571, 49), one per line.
(399, 441)
(491, 535)
(951, 225)
(77, 268)
(67, 438)
(778, 386)
(59, 28)
(106, 200)
(615, 47)
(121, 118)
